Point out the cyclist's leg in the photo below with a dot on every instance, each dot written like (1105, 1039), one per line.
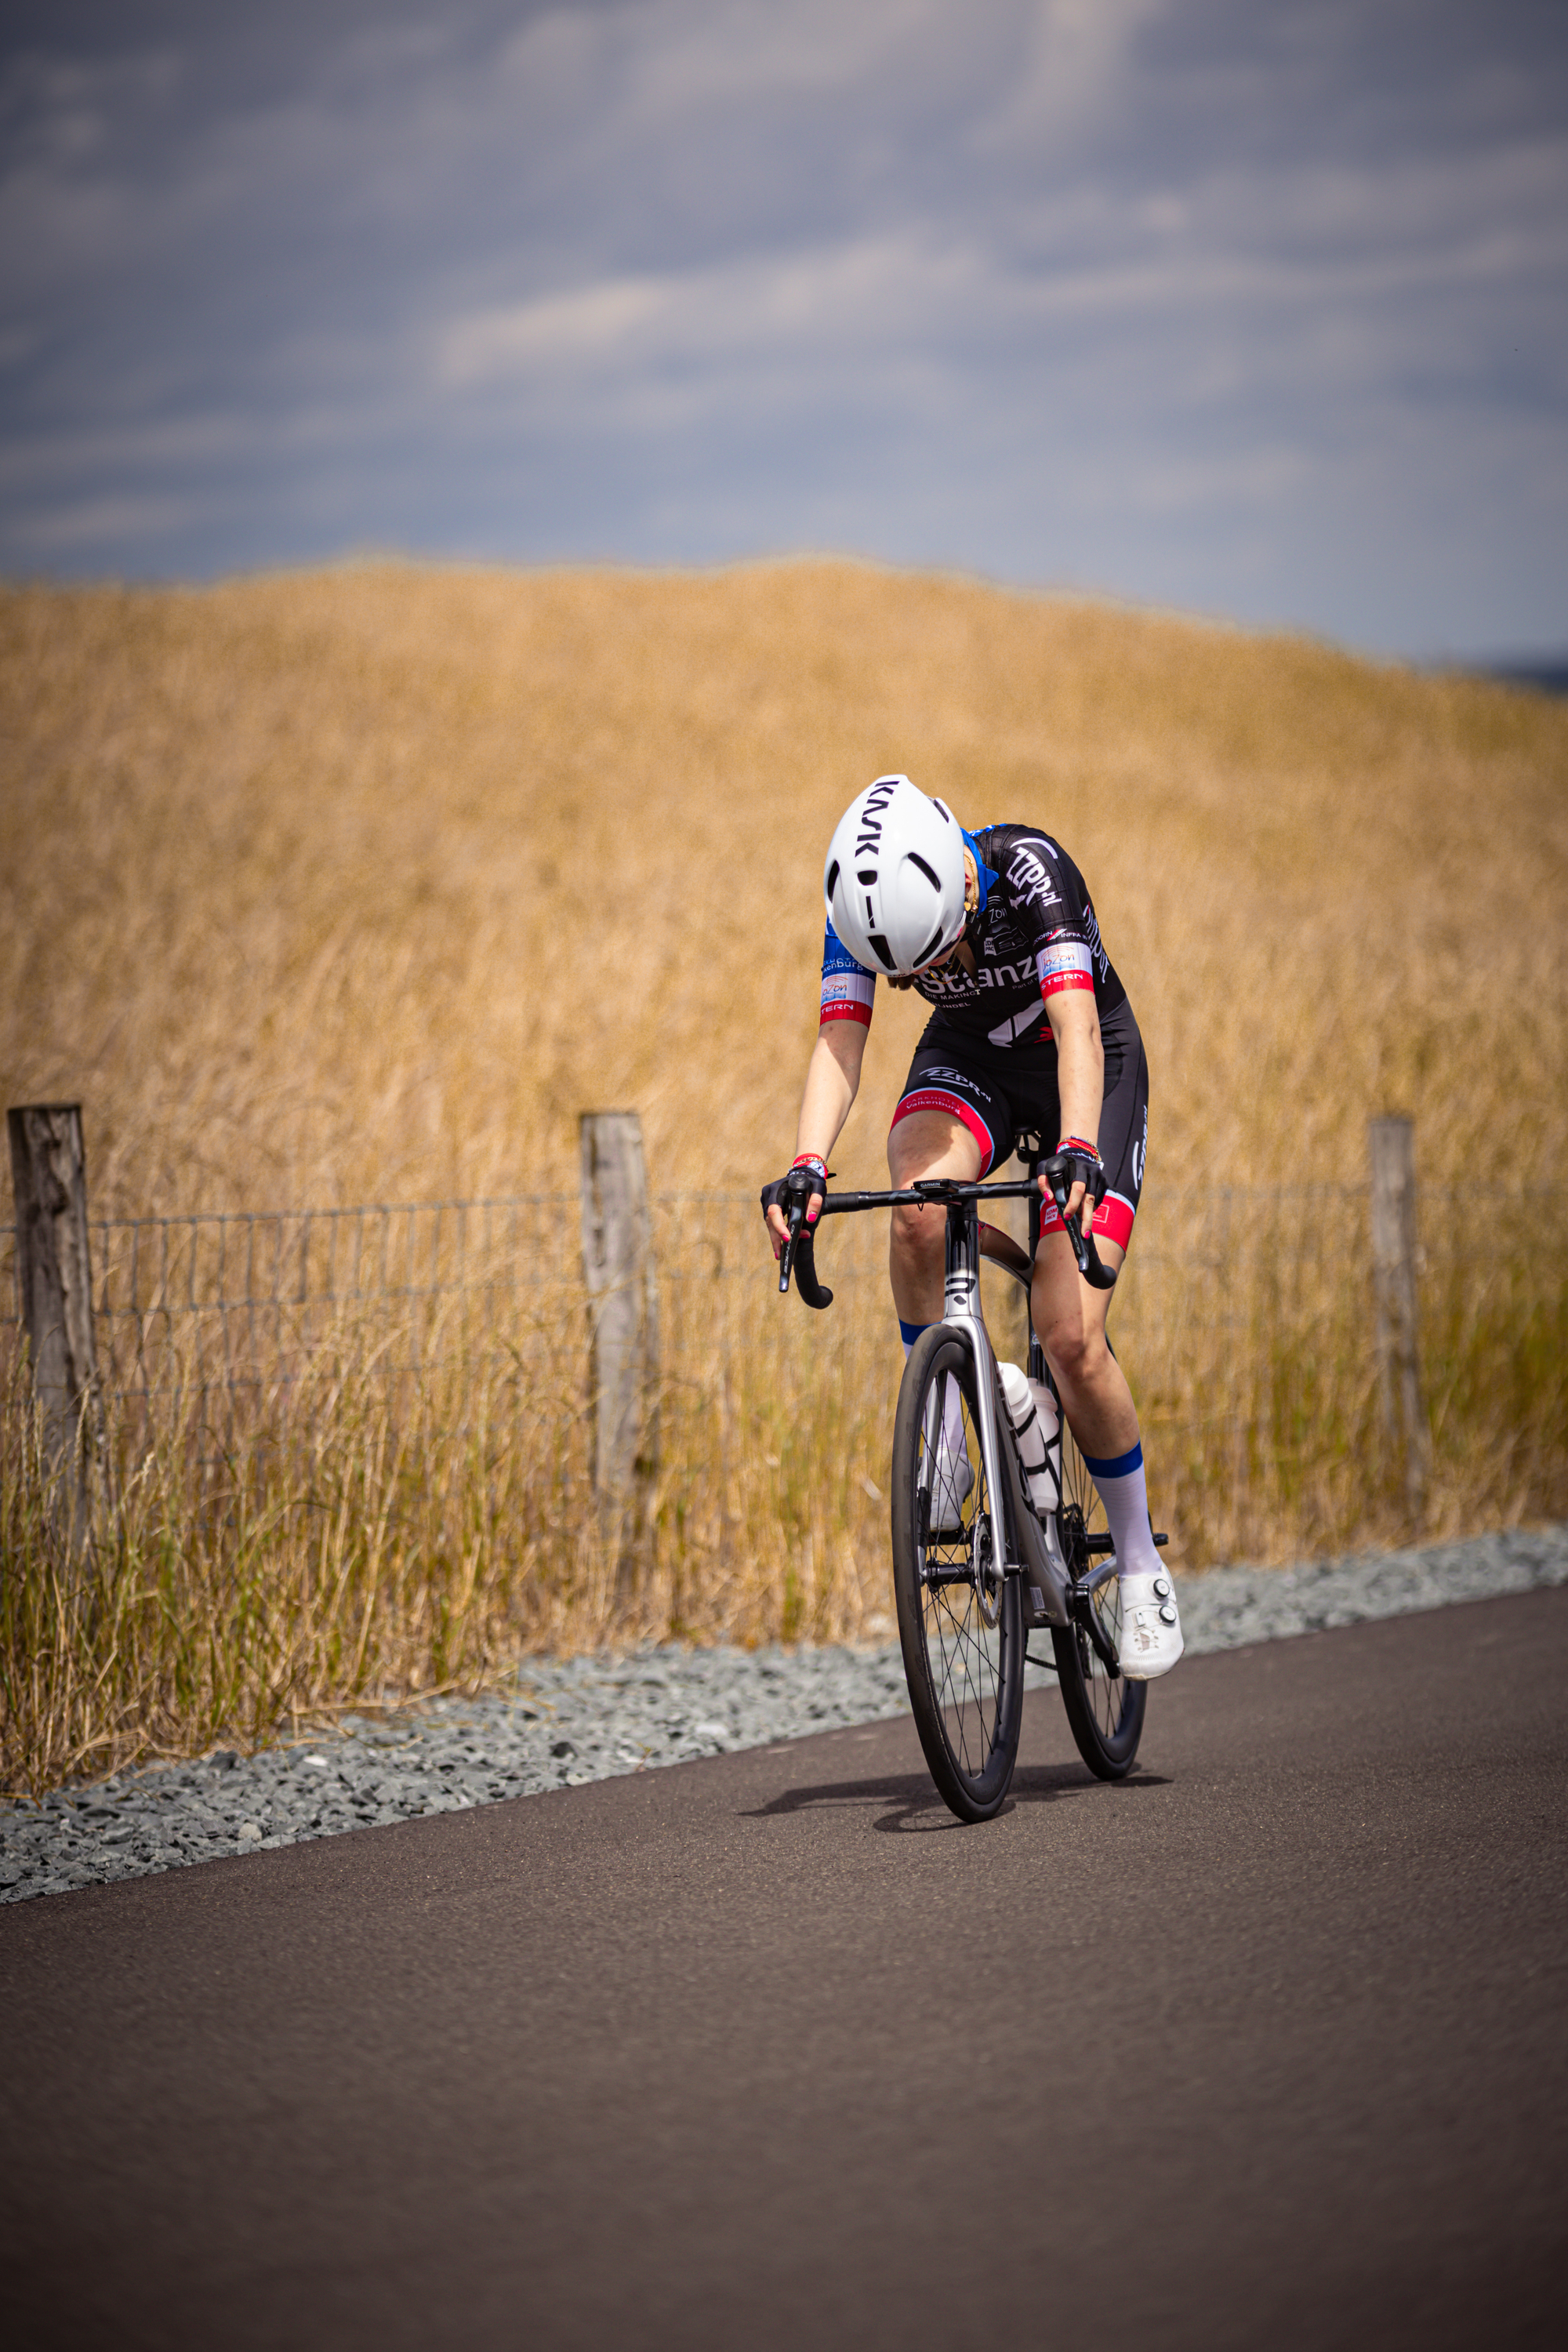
(1096, 1399)
(924, 1143)
(949, 1121)
(1068, 1316)
(1070, 1319)
(928, 1143)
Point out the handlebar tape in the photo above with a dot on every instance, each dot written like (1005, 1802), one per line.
(814, 1293)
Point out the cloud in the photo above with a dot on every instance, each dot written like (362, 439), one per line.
(1166, 298)
(860, 298)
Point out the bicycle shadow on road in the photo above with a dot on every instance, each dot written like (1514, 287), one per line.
(914, 1804)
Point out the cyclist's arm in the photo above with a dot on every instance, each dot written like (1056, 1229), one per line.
(1080, 1074)
(832, 1082)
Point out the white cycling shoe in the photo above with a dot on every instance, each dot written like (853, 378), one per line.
(1150, 1638)
(952, 1483)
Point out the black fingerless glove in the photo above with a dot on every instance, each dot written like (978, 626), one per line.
(807, 1176)
(1074, 1162)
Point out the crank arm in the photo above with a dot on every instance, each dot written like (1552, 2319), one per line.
(1088, 1616)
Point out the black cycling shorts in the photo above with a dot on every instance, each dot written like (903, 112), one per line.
(996, 1092)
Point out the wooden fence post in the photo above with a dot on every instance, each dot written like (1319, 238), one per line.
(623, 1300)
(1392, 1147)
(54, 1282)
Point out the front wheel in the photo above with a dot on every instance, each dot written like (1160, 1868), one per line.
(1104, 1711)
(960, 1620)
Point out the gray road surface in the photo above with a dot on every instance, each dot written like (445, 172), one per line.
(1264, 2048)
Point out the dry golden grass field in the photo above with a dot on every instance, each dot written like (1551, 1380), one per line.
(362, 883)
(359, 885)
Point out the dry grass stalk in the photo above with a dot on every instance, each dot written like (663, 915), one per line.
(361, 883)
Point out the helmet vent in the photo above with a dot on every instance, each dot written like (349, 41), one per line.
(833, 878)
(868, 877)
(879, 947)
(929, 948)
(930, 872)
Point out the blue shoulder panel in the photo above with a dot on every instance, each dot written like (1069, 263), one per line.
(987, 872)
(836, 959)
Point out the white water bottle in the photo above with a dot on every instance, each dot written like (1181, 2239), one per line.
(1032, 1409)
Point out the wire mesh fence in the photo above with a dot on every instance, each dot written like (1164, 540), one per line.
(229, 1309)
(1243, 1318)
(352, 1449)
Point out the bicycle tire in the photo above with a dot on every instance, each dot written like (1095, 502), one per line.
(965, 1675)
(1105, 1714)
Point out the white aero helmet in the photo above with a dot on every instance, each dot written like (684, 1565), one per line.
(894, 878)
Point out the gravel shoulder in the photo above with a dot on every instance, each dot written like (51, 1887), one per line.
(561, 1723)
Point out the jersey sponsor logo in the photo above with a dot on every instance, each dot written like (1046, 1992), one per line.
(1090, 928)
(959, 984)
(847, 995)
(1140, 1150)
(1064, 963)
(1031, 881)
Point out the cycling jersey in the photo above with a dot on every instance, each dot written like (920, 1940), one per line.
(1033, 934)
(987, 1057)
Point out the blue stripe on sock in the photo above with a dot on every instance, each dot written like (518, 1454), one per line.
(909, 1332)
(1122, 1467)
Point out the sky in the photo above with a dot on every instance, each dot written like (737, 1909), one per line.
(1258, 311)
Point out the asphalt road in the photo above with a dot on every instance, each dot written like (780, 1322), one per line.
(1265, 2048)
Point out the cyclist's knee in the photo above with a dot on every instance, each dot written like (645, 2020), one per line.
(919, 1233)
(1075, 1353)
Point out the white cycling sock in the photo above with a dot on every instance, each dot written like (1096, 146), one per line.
(953, 1396)
(1123, 1491)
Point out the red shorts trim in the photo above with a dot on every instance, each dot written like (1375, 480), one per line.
(938, 1099)
(1113, 1218)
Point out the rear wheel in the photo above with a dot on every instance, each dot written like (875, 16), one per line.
(960, 1621)
(1104, 1710)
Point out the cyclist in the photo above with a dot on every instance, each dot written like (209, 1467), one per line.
(1031, 1028)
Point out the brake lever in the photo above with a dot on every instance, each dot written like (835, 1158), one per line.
(787, 1256)
(799, 1255)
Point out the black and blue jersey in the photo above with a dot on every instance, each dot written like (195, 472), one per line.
(1033, 934)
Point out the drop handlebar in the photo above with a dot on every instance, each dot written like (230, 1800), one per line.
(798, 1255)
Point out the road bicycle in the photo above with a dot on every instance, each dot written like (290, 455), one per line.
(975, 1571)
